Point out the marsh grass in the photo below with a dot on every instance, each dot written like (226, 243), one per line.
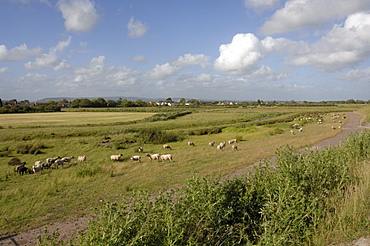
(56, 193)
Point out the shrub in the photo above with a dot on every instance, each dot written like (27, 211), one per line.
(14, 162)
(156, 136)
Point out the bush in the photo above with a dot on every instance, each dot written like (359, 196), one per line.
(156, 136)
(14, 162)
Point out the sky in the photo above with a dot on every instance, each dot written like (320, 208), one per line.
(302, 50)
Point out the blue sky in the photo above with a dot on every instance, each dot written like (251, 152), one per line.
(313, 50)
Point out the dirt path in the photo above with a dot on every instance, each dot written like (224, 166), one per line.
(70, 228)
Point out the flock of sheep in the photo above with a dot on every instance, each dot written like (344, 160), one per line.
(168, 157)
(40, 166)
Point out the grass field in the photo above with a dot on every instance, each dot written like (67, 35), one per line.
(55, 194)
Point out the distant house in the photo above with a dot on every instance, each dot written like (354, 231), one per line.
(11, 103)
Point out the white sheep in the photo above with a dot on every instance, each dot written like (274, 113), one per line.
(292, 132)
(191, 144)
(37, 169)
(67, 159)
(220, 147)
(153, 156)
(51, 160)
(232, 141)
(115, 157)
(58, 163)
(166, 146)
(140, 149)
(300, 129)
(166, 157)
(211, 144)
(234, 147)
(81, 158)
(136, 158)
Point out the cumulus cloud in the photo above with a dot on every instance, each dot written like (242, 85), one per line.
(79, 15)
(169, 69)
(344, 46)
(136, 28)
(359, 76)
(97, 73)
(18, 53)
(266, 73)
(139, 58)
(245, 50)
(51, 60)
(298, 14)
(259, 5)
(4, 70)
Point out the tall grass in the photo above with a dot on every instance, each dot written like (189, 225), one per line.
(305, 198)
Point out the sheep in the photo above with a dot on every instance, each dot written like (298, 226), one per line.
(223, 144)
(140, 149)
(232, 141)
(166, 146)
(67, 159)
(38, 163)
(153, 156)
(19, 167)
(37, 169)
(234, 147)
(51, 160)
(211, 144)
(58, 163)
(22, 170)
(136, 158)
(166, 157)
(115, 157)
(81, 158)
(45, 165)
(72, 164)
(220, 147)
(191, 144)
(291, 132)
(300, 129)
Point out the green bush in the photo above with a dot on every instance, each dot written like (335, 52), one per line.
(14, 162)
(156, 136)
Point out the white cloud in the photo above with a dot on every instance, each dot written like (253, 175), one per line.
(139, 58)
(136, 28)
(245, 50)
(266, 73)
(4, 70)
(344, 46)
(18, 53)
(259, 5)
(298, 14)
(168, 69)
(79, 15)
(51, 59)
(358, 76)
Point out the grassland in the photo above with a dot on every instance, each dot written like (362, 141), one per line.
(31, 200)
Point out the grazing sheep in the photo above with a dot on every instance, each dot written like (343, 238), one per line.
(166, 146)
(300, 129)
(232, 141)
(292, 132)
(67, 159)
(58, 163)
(51, 160)
(72, 164)
(81, 158)
(115, 157)
(45, 165)
(19, 167)
(140, 149)
(220, 147)
(166, 157)
(37, 169)
(136, 158)
(153, 156)
(191, 144)
(333, 127)
(234, 147)
(223, 144)
(211, 144)
(38, 163)
(22, 170)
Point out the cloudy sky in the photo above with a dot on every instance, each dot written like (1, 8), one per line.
(314, 50)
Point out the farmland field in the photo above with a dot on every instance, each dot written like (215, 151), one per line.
(55, 194)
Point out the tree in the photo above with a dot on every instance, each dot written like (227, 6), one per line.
(1, 103)
(111, 103)
(85, 103)
(75, 103)
(99, 102)
(169, 100)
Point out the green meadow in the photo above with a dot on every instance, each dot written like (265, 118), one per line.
(32, 200)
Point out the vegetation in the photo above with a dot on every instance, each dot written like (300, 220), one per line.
(74, 191)
(282, 205)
